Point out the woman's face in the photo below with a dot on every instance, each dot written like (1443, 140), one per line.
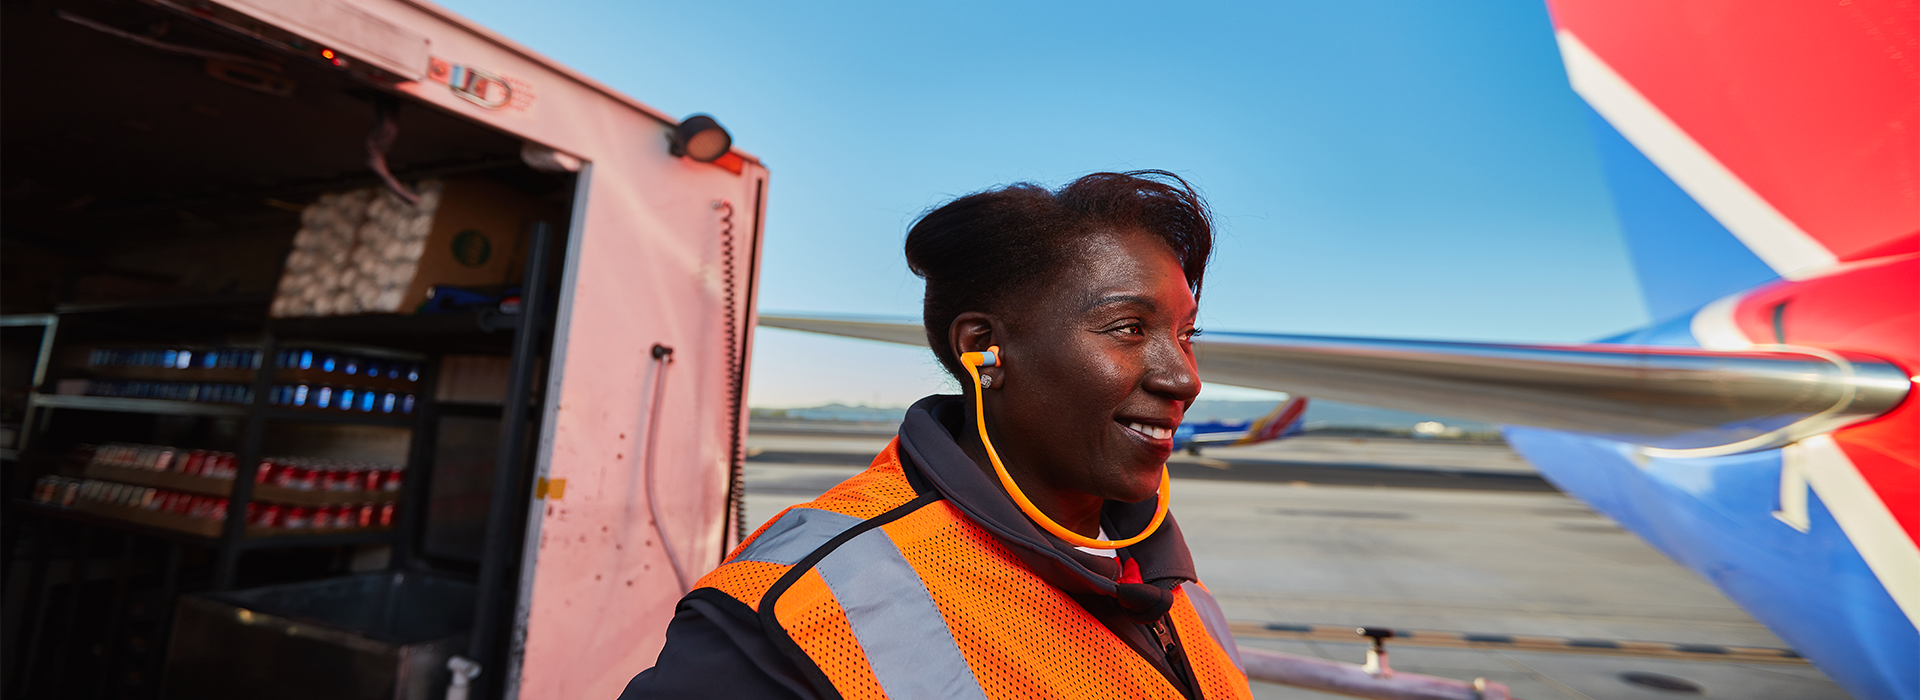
(1099, 371)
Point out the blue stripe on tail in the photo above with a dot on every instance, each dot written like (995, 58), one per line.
(1682, 255)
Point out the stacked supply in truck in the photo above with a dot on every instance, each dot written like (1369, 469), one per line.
(356, 252)
(368, 251)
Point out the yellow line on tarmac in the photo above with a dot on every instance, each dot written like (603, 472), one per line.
(1522, 642)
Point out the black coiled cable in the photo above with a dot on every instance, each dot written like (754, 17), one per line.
(736, 480)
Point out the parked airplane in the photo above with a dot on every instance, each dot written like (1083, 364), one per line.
(1764, 160)
(1283, 421)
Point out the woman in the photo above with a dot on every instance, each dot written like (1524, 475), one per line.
(1013, 541)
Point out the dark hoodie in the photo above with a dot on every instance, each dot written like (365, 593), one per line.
(716, 646)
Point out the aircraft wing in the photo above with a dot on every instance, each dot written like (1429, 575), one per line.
(1680, 401)
(904, 332)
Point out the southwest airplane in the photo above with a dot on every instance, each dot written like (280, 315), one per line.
(1283, 421)
(1764, 160)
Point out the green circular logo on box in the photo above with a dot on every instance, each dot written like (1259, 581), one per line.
(472, 248)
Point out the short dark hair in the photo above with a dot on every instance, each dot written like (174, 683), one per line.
(983, 249)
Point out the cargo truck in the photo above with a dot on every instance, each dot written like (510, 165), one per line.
(354, 350)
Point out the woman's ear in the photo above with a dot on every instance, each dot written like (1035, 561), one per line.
(974, 331)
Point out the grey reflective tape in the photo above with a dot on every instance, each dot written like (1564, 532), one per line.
(907, 642)
(795, 535)
(1214, 620)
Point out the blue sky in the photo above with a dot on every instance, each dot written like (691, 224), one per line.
(1398, 169)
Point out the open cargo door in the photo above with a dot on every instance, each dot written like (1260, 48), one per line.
(163, 160)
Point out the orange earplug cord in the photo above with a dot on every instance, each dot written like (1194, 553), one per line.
(973, 361)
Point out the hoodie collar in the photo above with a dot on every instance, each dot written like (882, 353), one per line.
(926, 437)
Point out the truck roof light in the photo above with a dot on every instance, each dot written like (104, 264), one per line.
(701, 138)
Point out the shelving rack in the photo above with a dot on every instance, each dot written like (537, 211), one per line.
(421, 338)
(239, 491)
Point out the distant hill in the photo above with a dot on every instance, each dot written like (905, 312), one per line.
(836, 412)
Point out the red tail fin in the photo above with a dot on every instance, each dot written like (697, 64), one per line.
(1276, 424)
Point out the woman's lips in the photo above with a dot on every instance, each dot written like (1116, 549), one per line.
(1150, 432)
(1155, 440)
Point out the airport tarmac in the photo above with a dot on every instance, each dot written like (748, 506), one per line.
(1329, 533)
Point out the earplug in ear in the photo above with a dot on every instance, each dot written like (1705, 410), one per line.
(990, 358)
(975, 360)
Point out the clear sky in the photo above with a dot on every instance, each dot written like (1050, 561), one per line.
(1395, 169)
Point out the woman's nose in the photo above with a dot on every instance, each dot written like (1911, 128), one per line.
(1172, 372)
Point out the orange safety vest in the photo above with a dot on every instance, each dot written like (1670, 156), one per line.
(889, 593)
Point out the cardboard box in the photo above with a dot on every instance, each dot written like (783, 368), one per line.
(478, 238)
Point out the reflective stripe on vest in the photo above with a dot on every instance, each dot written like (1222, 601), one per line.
(794, 535)
(912, 652)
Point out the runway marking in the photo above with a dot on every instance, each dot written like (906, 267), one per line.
(1521, 642)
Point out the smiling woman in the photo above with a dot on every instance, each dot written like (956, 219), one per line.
(1090, 295)
(973, 559)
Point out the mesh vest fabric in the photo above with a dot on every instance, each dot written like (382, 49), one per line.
(958, 614)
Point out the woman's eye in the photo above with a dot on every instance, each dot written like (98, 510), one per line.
(1189, 333)
(1129, 329)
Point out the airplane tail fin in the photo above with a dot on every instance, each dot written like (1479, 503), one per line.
(1284, 421)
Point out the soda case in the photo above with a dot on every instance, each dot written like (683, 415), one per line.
(341, 516)
(298, 473)
(176, 358)
(348, 366)
(199, 392)
(56, 490)
(336, 388)
(65, 492)
(316, 474)
(342, 398)
(160, 458)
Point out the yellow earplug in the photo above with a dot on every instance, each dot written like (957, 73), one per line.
(973, 361)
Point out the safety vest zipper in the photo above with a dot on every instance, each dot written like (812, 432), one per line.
(1176, 658)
